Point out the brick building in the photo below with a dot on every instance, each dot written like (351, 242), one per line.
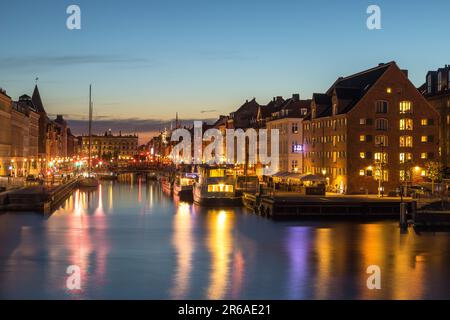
(437, 91)
(369, 129)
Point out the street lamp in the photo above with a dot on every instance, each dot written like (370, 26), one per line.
(380, 178)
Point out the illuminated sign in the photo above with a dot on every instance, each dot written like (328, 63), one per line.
(297, 148)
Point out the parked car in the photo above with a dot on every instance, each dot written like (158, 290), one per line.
(418, 190)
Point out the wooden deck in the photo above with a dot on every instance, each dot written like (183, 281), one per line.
(291, 205)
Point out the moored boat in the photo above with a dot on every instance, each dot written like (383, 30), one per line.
(183, 186)
(216, 188)
(88, 182)
(167, 184)
(152, 176)
(107, 175)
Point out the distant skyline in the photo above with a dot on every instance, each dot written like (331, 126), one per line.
(151, 59)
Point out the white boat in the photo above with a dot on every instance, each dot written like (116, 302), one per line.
(216, 188)
(183, 186)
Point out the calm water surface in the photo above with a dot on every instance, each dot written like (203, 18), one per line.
(133, 242)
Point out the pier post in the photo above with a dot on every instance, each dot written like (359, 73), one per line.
(403, 221)
(413, 210)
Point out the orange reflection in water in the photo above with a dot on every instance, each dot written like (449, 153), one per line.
(220, 246)
(324, 269)
(110, 196)
(183, 242)
(99, 211)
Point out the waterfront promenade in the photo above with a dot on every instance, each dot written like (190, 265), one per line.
(38, 198)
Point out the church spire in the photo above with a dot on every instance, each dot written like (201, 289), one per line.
(37, 101)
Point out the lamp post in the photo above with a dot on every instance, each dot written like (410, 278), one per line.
(380, 178)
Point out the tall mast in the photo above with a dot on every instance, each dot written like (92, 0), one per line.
(90, 129)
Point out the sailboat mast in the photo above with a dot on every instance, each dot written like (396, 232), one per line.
(90, 129)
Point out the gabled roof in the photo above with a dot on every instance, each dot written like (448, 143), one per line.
(37, 101)
(348, 90)
(243, 116)
(249, 107)
(274, 105)
(362, 80)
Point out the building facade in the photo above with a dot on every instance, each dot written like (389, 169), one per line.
(437, 91)
(24, 137)
(372, 131)
(109, 146)
(287, 119)
(5, 133)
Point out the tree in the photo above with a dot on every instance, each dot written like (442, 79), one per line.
(433, 171)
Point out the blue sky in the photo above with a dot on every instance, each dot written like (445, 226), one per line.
(149, 59)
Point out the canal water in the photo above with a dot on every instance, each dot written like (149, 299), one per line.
(131, 241)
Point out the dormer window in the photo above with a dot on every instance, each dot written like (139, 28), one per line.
(335, 109)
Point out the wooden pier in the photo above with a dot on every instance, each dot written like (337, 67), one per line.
(434, 215)
(291, 205)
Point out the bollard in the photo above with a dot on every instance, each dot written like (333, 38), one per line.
(403, 221)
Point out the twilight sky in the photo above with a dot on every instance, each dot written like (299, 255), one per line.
(149, 59)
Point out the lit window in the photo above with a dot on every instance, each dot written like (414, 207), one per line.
(423, 173)
(378, 172)
(362, 172)
(424, 138)
(406, 141)
(362, 155)
(388, 90)
(405, 107)
(423, 155)
(362, 138)
(381, 141)
(220, 188)
(362, 121)
(424, 122)
(405, 175)
(380, 156)
(405, 157)
(406, 124)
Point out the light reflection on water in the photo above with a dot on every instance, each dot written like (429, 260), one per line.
(131, 241)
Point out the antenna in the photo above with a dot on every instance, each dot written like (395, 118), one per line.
(90, 128)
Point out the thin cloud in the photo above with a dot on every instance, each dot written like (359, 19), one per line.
(129, 125)
(67, 60)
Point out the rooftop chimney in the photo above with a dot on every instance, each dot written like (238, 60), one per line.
(405, 72)
(296, 97)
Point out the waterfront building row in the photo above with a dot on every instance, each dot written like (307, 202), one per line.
(29, 139)
(370, 132)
